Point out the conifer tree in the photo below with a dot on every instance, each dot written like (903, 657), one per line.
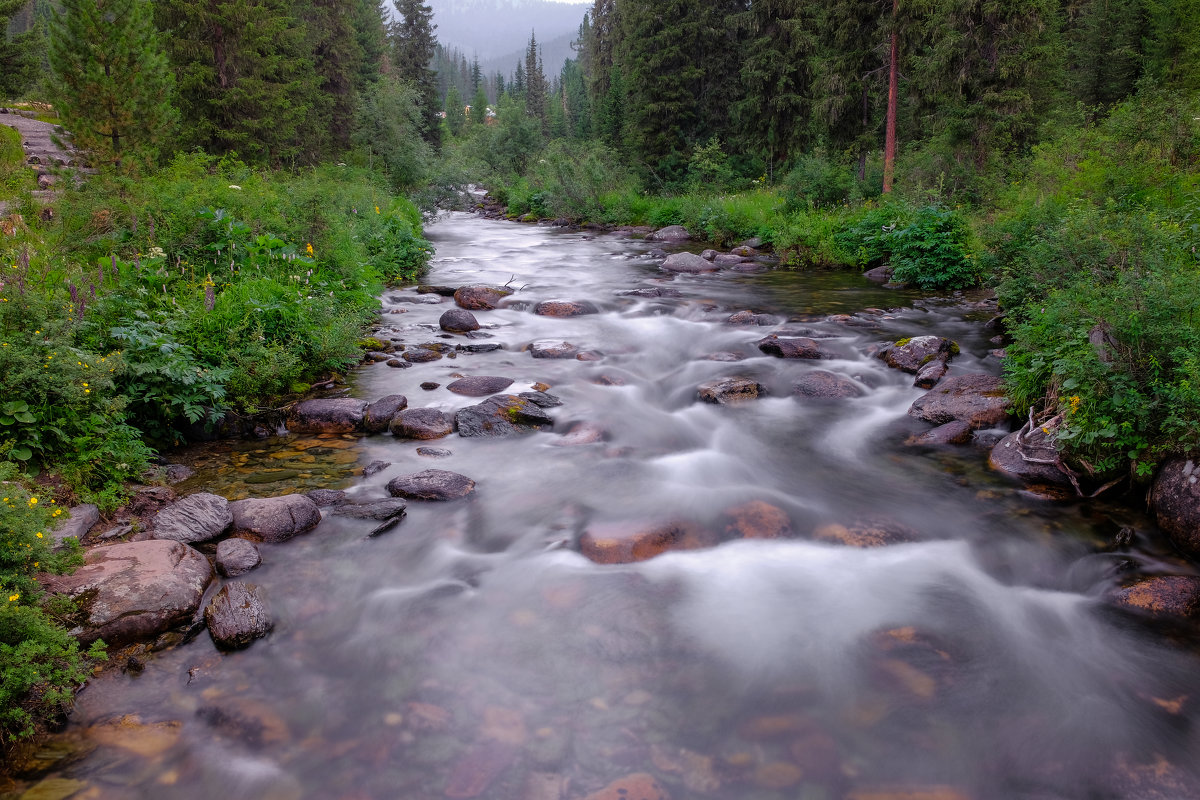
(479, 105)
(413, 46)
(114, 86)
(455, 117)
(535, 84)
(18, 54)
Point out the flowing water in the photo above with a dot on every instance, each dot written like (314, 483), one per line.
(473, 652)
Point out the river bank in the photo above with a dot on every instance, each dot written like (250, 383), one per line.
(473, 650)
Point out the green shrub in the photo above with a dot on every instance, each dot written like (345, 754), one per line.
(818, 182)
(933, 251)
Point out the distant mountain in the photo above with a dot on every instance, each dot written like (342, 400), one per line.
(498, 30)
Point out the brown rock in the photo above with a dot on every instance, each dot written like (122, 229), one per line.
(820, 384)
(421, 355)
(479, 768)
(326, 416)
(1173, 596)
(750, 318)
(790, 348)
(565, 308)
(458, 320)
(911, 354)
(135, 591)
(951, 433)
(274, 519)
(630, 541)
(975, 399)
(480, 298)
(638, 786)
(480, 385)
(908, 793)
(421, 423)
(547, 348)
(237, 616)
(379, 414)
(432, 484)
(757, 520)
(777, 775)
(730, 391)
(1006, 457)
(870, 532)
(929, 375)
(502, 415)
(1175, 498)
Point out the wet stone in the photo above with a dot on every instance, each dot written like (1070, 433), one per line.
(429, 386)
(1175, 499)
(757, 520)
(638, 786)
(396, 363)
(325, 497)
(379, 414)
(197, 518)
(671, 233)
(750, 318)
(912, 354)
(632, 541)
(688, 263)
(651, 292)
(929, 375)
(480, 385)
(237, 556)
(421, 423)
(274, 519)
(237, 616)
(502, 415)
(552, 349)
(541, 399)
(382, 509)
(823, 385)
(975, 398)
(1006, 457)
(480, 298)
(434, 452)
(730, 391)
(580, 434)
(728, 260)
(432, 484)
(952, 433)
(725, 357)
(790, 348)
(444, 291)
(458, 320)
(375, 467)
(1161, 597)
(565, 308)
(326, 416)
(420, 355)
(480, 348)
(870, 532)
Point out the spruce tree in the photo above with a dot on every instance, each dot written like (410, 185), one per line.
(535, 84)
(113, 84)
(479, 105)
(413, 46)
(455, 118)
(19, 55)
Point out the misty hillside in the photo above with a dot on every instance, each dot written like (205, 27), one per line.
(498, 30)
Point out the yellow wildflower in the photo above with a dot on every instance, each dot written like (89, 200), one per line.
(32, 502)
(39, 534)
(308, 248)
(12, 598)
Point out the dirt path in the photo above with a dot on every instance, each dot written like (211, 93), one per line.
(42, 152)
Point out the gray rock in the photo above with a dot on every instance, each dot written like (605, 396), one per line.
(480, 385)
(458, 320)
(81, 520)
(689, 263)
(565, 308)
(974, 398)
(730, 391)
(1175, 499)
(420, 355)
(879, 274)
(541, 399)
(750, 318)
(671, 233)
(709, 255)
(822, 385)
(790, 348)
(551, 349)
(237, 616)
(325, 497)
(385, 508)
(341, 415)
(1006, 457)
(480, 298)
(444, 291)
(917, 352)
(502, 415)
(432, 484)
(429, 386)
(930, 374)
(434, 452)
(274, 519)
(117, 532)
(421, 423)
(196, 518)
(651, 292)
(236, 557)
(480, 348)
(952, 433)
(375, 467)
(135, 591)
(728, 260)
(379, 414)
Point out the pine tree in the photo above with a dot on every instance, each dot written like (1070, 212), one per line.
(413, 46)
(336, 55)
(114, 86)
(476, 75)
(479, 104)
(535, 84)
(1104, 45)
(455, 118)
(19, 55)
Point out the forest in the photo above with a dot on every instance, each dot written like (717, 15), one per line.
(255, 174)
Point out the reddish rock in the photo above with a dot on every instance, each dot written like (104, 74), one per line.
(929, 375)
(757, 520)
(326, 416)
(975, 399)
(1171, 596)
(730, 391)
(952, 433)
(135, 591)
(422, 424)
(630, 541)
(823, 385)
(638, 786)
(565, 308)
(237, 616)
(1175, 498)
(479, 768)
(790, 348)
(1006, 457)
(480, 298)
(552, 349)
(870, 532)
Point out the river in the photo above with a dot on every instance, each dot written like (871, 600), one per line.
(473, 652)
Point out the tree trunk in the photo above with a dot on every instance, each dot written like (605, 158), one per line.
(889, 148)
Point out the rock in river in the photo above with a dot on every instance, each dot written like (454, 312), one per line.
(196, 518)
(975, 398)
(432, 484)
(502, 415)
(326, 416)
(790, 348)
(730, 391)
(480, 385)
(868, 532)
(383, 509)
(689, 263)
(237, 616)
(824, 385)
(1175, 499)
(910, 355)
(1170, 596)
(421, 423)
(458, 320)
(379, 414)
(627, 542)
(274, 519)
(1006, 457)
(480, 298)
(565, 308)
(671, 233)
(551, 349)
(135, 591)
(237, 556)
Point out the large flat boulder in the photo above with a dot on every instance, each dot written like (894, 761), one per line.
(80, 521)
(432, 484)
(274, 519)
(910, 355)
(565, 308)
(975, 399)
(1008, 456)
(135, 591)
(339, 415)
(801, 347)
(199, 517)
(421, 423)
(689, 263)
(380, 413)
(730, 391)
(824, 385)
(480, 385)
(480, 298)
(1163, 596)
(502, 415)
